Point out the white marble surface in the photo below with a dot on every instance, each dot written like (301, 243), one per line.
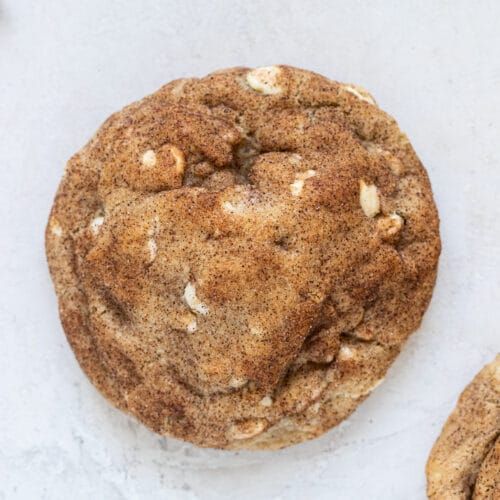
(65, 65)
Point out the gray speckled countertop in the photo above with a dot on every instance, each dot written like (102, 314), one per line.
(65, 65)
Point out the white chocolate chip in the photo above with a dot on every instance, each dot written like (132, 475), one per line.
(392, 161)
(236, 382)
(246, 430)
(153, 249)
(192, 326)
(149, 158)
(297, 185)
(256, 330)
(301, 126)
(152, 232)
(295, 159)
(369, 199)
(316, 392)
(178, 89)
(230, 136)
(155, 226)
(192, 300)
(181, 319)
(55, 228)
(372, 147)
(345, 353)
(264, 80)
(363, 392)
(390, 225)
(266, 401)
(375, 385)
(395, 164)
(233, 208)
(360, 93)
(314, 408)
(96, 223)
(180, 161)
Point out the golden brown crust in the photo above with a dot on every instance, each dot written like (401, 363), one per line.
(239, 258)
(464, 462)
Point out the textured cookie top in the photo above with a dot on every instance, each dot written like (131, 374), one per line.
(465, 460)
(238, 258)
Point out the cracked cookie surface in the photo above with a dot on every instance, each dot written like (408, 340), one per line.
(465, 460)
(239, 258)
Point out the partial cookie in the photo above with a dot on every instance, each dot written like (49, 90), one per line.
(465, 460)
(239, 258)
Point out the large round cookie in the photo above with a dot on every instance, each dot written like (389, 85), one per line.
(239, 258)
(465, 460)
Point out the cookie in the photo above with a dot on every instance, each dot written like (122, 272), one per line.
(465, 460)
(239, 258)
